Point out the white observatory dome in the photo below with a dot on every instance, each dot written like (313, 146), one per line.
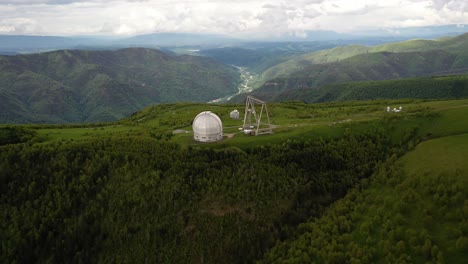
(207, 127)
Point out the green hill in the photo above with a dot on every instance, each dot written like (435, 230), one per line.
(132, 191)
(409, 59)
(455, 45)
(89, 86)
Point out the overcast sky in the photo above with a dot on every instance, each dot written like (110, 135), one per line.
(234, 17)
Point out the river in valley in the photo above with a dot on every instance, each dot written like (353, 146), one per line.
(246, 85)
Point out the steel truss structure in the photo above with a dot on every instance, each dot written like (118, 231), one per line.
(256, 125)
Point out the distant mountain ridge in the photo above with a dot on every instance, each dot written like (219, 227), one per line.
(11, 44)
(91, 86)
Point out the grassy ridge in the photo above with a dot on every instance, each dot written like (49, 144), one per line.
(290, 119)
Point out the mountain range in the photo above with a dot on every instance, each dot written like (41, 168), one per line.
(13, 44)
(72, 86)
(94, 86)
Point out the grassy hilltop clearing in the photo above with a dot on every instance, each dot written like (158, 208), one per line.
(290, 120)
(336, 182)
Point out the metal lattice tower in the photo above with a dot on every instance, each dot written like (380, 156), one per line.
(256, 124)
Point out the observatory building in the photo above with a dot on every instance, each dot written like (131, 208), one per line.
(207, 127)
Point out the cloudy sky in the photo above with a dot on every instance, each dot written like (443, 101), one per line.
(233, 17)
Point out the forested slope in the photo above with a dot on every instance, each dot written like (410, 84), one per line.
(413, 210)
(137, 199)
(90, 86)
(455, 86)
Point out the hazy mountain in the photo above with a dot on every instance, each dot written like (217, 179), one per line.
(176, 39)
(10, 44)
(90, 86)
(419, 32)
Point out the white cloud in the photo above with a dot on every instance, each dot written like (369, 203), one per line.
(272, 17)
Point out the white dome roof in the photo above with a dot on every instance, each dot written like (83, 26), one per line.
(207, 126)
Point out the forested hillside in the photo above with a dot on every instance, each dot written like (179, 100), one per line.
(408, 59)
(413, 210)
(89, 86)
(137, 200)
(455, 86)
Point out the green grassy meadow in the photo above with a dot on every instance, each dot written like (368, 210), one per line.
(445, 155)
(428, 118)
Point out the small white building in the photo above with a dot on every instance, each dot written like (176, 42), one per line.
(395, 110)
(234, 114)
(207, 127)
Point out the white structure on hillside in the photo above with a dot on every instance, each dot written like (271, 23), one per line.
(234, 114)
(253, 122)
(394, 109)
(207, 127)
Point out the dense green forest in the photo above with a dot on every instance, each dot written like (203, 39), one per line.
(455, 86)
(413, 210)
(137, 199)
